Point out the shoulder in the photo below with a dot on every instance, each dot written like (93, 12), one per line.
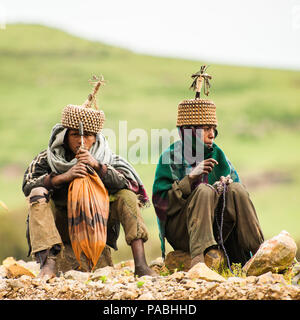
(40, 159)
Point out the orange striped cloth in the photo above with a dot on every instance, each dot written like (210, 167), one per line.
(88, 209)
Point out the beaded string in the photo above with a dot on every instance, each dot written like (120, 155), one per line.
(220, 226)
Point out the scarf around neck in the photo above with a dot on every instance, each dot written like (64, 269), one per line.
(57, 159)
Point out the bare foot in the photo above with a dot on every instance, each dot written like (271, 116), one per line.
(144, 271)
(48, 271)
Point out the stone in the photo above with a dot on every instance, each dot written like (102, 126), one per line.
(236, 280)
(122, 264)
(33, 266)
(178, 260)
(15, 270)
(251, 279)
(146, 296)
(178, 276)
(77, 275)
(102, 273)
(275, 255)
(159, 262)
(265, 278)
(296, 274)
(3, 272)
(215, 260)
(202, 271)
(15, 283)
(67, 261)
(296, 280)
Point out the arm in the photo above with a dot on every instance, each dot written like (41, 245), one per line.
(39, 174)
(112, 179)
(172, 195)
(36, 172)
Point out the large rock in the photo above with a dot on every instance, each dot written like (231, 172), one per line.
(202, 271)
(67, 260)
(15, 269)
(275, 255)
(179, 260)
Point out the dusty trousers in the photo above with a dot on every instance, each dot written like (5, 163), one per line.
(48, 223)
(194, 228)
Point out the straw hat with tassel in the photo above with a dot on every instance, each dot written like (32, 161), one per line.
(88, 113)
(198, 111)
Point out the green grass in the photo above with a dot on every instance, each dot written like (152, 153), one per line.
(44, 69)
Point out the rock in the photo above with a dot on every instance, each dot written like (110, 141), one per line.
(15, 270)
(3, 272)
(295, 271)
(275, 255)
(159, 262)
(67, 261)
(15, 283)
(33, 266)
(77, 275)
(269, 277)
(190, 284)
(201, 271)
(3, 284)
(179, 260)
(122, 264)
(296, 280)
(178, 276)
(102, 273)
(146, 296)
(236, 280)
(251, 279)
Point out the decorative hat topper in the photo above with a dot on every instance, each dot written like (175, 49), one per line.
(91, 118)
(198, 81)
(195, 112)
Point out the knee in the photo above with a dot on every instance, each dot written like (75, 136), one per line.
(238, 188)
(128, 197)
(204, 190)
(38, 195)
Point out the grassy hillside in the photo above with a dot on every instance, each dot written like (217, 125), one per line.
(43, 69)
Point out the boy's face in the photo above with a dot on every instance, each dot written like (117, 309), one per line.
(74, 140)
(208, 134)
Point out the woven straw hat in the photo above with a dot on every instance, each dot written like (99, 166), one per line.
(198, 111)
(91, 118)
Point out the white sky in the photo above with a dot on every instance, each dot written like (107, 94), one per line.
(257, 32)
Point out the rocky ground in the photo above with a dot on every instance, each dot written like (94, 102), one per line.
(118, 283)
(273, 273)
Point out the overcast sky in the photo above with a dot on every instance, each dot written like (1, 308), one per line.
(256, 32)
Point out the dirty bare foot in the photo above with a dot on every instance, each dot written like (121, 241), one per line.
(197, 259)
(48, 271)
(140, 263)
(144, 271)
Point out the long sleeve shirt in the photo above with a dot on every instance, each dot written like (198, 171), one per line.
(39, 173)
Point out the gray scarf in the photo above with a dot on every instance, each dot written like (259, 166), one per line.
(56, 155)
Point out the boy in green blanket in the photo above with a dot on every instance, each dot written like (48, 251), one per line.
(201, 206)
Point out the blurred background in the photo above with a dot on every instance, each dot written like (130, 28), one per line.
(147, 50)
